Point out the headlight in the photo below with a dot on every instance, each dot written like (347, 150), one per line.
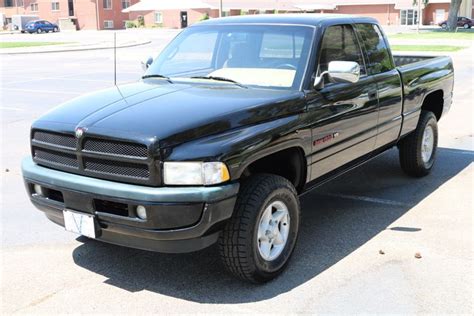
(195, 173)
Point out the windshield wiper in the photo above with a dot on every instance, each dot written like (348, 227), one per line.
(158, 76)
(216, 78)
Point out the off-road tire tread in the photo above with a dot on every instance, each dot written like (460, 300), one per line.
(232, 242)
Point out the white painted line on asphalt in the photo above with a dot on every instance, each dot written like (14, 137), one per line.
(365, 199)
(42, 91)
(458, 151)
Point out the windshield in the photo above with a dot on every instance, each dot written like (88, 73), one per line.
(251, 55)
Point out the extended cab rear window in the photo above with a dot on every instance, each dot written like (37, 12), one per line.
(378, 55)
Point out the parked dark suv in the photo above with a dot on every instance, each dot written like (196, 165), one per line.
(462, 22)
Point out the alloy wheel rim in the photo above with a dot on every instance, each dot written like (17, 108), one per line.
(273, 230)
(427, 144)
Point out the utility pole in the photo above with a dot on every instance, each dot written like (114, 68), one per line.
(220, 8)
(419, 16)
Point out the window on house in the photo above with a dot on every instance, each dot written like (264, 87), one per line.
(158, 17)
(55, 5)
(108, 4)
(34, 7)
(125, 4)
(9, 3)
(19, 3)
(108, 24)
(408, 17)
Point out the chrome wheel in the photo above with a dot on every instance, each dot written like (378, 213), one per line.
(427, 144)
(273, 230)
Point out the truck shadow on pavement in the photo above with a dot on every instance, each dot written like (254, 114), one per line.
(338, 218)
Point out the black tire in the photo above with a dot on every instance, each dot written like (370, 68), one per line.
(444, 26)
(238, 243)
(466, 26)
(55, 30)
(410, 148)
(39, 31)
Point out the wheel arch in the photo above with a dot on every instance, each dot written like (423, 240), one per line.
(289, 162)
(434, 102)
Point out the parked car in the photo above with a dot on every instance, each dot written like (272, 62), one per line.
(233, 121)
(462, 22)
(40, 26)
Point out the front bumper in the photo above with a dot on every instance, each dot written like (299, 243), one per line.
(179, 219)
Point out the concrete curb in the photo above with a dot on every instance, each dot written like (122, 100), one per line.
(64, 50)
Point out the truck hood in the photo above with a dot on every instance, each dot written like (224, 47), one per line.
(158, 111)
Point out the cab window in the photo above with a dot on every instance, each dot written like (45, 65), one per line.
(378, 55)
(339, 44)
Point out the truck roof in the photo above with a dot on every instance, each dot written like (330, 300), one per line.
(309, 19)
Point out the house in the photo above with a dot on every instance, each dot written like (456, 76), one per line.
(113, 14)
(72, 14)
(180, 13)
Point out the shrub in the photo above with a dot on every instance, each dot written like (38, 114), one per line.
(141, 21)
(204, 17)
(130, 25)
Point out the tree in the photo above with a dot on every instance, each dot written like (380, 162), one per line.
(420, 12)
(453, 15)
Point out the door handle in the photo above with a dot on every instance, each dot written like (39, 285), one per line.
(373, 95)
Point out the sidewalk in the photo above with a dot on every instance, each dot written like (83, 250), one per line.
(83, 40)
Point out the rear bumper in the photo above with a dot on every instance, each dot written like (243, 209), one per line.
(179, 219)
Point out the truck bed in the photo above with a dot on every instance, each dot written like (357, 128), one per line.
(402, 60)
(422, 75)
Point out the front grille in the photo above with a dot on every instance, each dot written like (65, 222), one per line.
(115, 148)
(114, 167)
(67, 141)
(55, 158)
(101, 158)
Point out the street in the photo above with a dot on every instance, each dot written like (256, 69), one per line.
(357, 244)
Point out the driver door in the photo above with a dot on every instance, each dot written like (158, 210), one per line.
(343, 116)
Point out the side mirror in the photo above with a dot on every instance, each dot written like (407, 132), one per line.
(344, 71)
(339, 71)
(147, 64)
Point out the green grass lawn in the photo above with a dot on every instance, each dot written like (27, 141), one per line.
(28, 44)
(459, 35)
(426, 48)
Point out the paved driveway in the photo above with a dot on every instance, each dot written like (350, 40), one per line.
(336, 268)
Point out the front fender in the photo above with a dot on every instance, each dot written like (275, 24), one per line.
(238, 148)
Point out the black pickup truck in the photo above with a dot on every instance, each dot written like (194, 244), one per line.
(229, 125)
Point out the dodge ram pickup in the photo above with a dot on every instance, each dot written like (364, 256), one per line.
(229, 125)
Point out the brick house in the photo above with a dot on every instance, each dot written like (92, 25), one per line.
(112, 14)
(78, 14)
(387, 12)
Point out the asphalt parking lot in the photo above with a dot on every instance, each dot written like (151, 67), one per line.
(336, 268)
